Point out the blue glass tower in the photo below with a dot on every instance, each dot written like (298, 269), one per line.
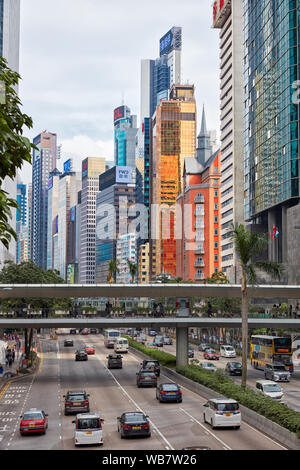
(125, 131)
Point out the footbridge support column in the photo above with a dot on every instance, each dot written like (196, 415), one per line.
(182, 346)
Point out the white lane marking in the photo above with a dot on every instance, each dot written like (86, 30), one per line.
(225, 446)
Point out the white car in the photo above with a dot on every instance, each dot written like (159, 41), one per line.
(227, 351)
(269, 389)
(208, 366)
(88, 429)
(222, 412)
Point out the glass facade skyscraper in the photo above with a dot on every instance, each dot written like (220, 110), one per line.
(271, 118)
(125, 131)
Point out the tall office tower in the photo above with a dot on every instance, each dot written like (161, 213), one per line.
(68, 187)
(9, 49)
(271, 128)
(228, 18)
(157, 76)
(29, 218)
(125, 131)
(125, 251)
(173, 139)
(43, 163)
(115, 201)
(92, 167)
(21, 219)
(198, 218)
(52, 225)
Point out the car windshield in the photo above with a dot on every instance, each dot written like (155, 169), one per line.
(89, 423)
(170, 387)
(279, 368)
(227, 406)
(211, 351)
(151, 364)
(37, 415)
(135, 418)
(76, 397)
(272, 388)
(208, 364)
(236, 365)
(89, 346)
(228, 348)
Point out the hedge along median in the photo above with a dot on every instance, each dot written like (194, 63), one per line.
(224, 385)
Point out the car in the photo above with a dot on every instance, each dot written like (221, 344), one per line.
(191, 352)
(152, 365)
(89, 349)
(68, 342)
(33, 421)
(203, 346)
(167, 340)
(269, 389)
(88, 429)
(208, 366)
(197, 448)
(93, 331)
(233, 368)
(85, 331)
(133, 424)
(81, 355)
(114, 361)
(151, 344)
(211, 354)
(158, 341)
(152, 333)
(168, 392)
(146, 378)
(76, 401)
(140, 340)
(277, 372)
(73, 331)
(227, 351)
(222, 412)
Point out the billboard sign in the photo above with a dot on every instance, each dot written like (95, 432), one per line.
(68, 166)
(85, 166)
(170, 41)
(123, 174)
(219, 12)
(119, 113)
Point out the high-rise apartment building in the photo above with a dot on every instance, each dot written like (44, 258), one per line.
(173, 139)
(228, 18)
(52, 227)
(92, 167)
(9, 49)
(271, 127)
(43, 163)
(125, 251)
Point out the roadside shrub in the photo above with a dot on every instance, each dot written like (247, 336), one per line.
(164, 358)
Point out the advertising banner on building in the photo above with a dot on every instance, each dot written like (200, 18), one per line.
(124, 174)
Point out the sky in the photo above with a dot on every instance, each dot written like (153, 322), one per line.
(79, 59)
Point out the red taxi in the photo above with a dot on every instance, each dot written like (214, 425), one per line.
(33, 421)
(211, 354)
(89, 349)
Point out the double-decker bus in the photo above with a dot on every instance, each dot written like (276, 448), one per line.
(110, 337)
(271, 349)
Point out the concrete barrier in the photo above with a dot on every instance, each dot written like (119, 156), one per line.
(265, 425)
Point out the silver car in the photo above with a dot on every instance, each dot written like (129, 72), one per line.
(277, 373)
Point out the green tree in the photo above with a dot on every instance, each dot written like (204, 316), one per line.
(112, 270)
(132, 270)
(249, 247)
(15, 149)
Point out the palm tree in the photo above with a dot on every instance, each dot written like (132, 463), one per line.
(132, 270)
(112, 270)
(249, 246)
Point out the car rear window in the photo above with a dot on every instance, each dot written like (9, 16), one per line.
(147, 374)
(76, 397)
(89, 423)
(227, 406)
(170, 387)
(135, 418)
(28, 416)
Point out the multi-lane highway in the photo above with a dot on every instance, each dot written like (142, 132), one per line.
(112, 392)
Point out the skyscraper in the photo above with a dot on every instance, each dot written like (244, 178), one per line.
(43, 163)
(9, 49)
(271, 128)
(228, 18)
(92, 167)
(125, 131)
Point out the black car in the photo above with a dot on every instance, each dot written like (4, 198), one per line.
(114, 361)
(68, 342)
(233, 368)
(93, 331)
(191, 352)
(151, 365)
(73, 331)
(76, 402)
(146, 378)
(169, 392)
(133, 424)
(81, 355)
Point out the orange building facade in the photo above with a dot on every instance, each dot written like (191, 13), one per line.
(198, 250)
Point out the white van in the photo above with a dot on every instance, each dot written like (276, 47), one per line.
(269, 389)
(227, 351)
(88, 429)
(219, 412)
(121, 345)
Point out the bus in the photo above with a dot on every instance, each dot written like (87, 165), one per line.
(271, 349)
(110, 337)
